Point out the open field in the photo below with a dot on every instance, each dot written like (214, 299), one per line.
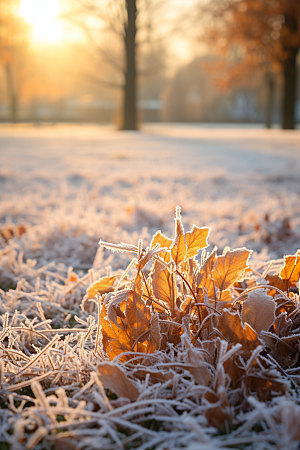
(62, 189)
(67, 182)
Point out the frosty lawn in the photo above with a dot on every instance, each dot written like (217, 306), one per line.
(63, 189)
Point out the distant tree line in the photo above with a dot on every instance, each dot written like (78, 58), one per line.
(265, 34)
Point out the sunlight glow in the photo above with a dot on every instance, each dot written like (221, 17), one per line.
(42, 14)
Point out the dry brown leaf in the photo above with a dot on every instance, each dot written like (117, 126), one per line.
(196, 239)
(218, 412)
(231, 327)
(164, 284)
(266, 383)
(114, 379)
(276, 281)
(196, 366)
(102, 286)
(259, 310)
(251, 341)
(113, 302)
(204, 278)
(291, 268)
(229, 267)
(154, 336)
(282, 325)
(138, 316)
(116, 339)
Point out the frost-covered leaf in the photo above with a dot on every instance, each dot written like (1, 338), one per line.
(196, 364)
(114, 303)
(115, 336)
(259, 310)
(154, 337)
(164, 242)
(231, 327)
(204, 278)
(291, 268)
(276, 281)
(102, 286)
(164, 284)
(114, 379)
(137, 316)
(229, 267)
(178, 247)
(196, 239)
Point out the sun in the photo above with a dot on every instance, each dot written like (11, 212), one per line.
(42, 15)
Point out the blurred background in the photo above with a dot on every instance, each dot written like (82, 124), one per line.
(134, 61)
(199, 79)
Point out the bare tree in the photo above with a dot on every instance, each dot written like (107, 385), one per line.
(133, 23)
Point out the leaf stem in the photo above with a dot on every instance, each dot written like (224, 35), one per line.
(145, 281)
(192, 292)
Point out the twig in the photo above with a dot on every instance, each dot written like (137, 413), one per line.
(39, 354)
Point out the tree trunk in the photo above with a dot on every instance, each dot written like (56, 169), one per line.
(129, 121)
(12, 94)
(289, 90)
(270, 99)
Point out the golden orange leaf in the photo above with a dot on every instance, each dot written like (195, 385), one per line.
(204, 278)
(178, 249)
(164, 242)
(102, 286)
(196, 239)
(164, 284)
(291, 268)
(226, 296)
(137, 316)
(114, 379)
(116, 339)
(229, 267)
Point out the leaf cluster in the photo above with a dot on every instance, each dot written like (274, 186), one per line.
(184, 345)
(224, 313)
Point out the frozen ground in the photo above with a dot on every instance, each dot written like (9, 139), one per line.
(62, 188)
(70, 186)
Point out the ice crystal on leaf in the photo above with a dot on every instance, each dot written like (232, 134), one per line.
(183, 346)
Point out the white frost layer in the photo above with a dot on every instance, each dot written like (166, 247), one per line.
(73, 185)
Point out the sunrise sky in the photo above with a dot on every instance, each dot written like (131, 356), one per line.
(48, 28)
